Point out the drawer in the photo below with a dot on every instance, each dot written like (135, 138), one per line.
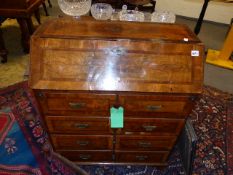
(81, 125)
(142, 156)
(88, 156)
(156, 105)
(82, 142)
(145, 143)
(152, 126)
(68, 103)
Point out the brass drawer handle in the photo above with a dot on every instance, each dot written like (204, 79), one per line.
(85, 156)
(118, 51)
(81, 125)
(82, 143)
(141, 158)
(149, 128)
(77, 105)
(154, 107)
(144, 144)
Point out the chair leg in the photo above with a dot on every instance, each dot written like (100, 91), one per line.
(50, 4)
(45, 9)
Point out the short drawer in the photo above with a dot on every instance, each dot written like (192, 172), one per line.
(142, 156)
(88, 156)
(157, 126)
(81, 125)
(68, 103)
(82, 142)
(173, 106)
(145, 143)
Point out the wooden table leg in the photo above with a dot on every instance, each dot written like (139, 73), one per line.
(26, 27)
(50, 4)
(30, 25)
(37, 15)
(201, 17)
(45, 9)
(3, 51)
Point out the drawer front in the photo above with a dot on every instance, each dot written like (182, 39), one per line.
(142, 156)
(81, 125)
(152, 126)
(159, 105)
(82, 142)
(82, 104)
(145, 143)
(88, 156)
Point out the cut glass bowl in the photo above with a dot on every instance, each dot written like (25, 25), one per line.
(131, 15)
(101, 11)
(163, 17)
(75, 7)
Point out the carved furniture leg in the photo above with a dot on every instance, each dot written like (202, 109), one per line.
(45, 9)
(50, 4)
(37, 15)
(30, 25)
(25, 33)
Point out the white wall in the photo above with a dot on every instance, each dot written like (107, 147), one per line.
(216, 11)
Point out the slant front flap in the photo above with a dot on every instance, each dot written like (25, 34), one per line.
(90, 63)
(88, 28)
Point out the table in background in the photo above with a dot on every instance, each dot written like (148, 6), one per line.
(202, 14)
(22, 10)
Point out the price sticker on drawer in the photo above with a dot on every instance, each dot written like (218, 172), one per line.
(195, 53)
(117, 117)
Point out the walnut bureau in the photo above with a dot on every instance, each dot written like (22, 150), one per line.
(80, 68)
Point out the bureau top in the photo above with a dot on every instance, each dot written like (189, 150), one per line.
(86, 27)
(85, 54)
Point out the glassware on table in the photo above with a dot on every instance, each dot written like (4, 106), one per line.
(101, 11)
(163, 17)
(130, 15)
(75, 7)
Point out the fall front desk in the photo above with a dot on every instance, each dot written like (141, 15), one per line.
(115, 92)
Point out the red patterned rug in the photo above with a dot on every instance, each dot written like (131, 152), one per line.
(229, 138)
(25, 149)
(210, 120)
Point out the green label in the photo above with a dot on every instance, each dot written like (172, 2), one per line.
(117, 117)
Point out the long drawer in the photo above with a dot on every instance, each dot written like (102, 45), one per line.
(82, 142)
(81, 125)
(145, 143)
(142, 157)
(81, 104)
(176, 106)
(88, 156)
(150, 126)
